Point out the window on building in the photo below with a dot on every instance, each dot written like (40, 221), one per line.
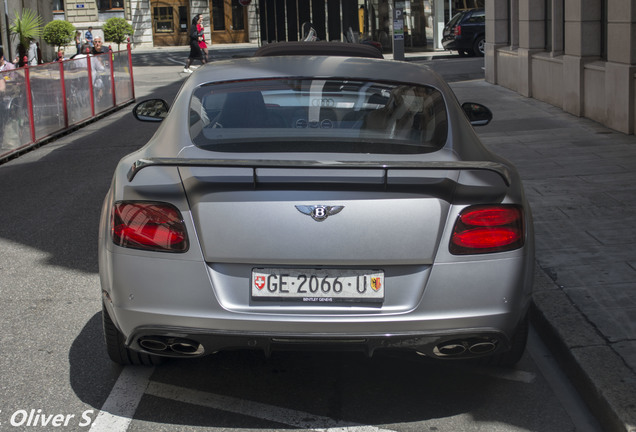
(162, 17)
(58, 5)
(548, 25)
(218, 15)
(238, 20)
(106, 5)
(513, 23)
(554, 26)
(183, 19)
(604, 29)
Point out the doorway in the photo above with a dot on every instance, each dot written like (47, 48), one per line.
(228, 21)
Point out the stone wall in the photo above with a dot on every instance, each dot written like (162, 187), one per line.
(587, 68)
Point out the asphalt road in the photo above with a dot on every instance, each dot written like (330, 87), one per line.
(55, 373)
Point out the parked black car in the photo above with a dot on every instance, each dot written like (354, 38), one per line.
(465, 33)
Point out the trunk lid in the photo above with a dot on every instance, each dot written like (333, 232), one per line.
(308, 216)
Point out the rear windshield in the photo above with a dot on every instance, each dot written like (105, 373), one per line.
(477, 17)
(318, 115)
(455, 19)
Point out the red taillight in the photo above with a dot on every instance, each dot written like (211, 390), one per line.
(458, 30)
(149, 226)
(487, 229)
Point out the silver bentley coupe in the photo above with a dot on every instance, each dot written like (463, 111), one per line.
(315, 202)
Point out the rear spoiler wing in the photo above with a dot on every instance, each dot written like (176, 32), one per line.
(502, 170)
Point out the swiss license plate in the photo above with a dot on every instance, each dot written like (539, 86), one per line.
(317, 285)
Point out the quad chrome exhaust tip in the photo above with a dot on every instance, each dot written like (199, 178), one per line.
(465, 348)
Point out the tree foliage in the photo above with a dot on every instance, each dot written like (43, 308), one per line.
(27, 27)
(116, 30)
(58, 33)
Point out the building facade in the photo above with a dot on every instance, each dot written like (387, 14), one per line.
(335, 20)
(166, 22)
(9, 9)
(579, 55)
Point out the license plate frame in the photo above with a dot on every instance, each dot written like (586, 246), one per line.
(317, 286)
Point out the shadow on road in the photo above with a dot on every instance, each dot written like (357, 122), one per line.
(51, 197)
(248, 390)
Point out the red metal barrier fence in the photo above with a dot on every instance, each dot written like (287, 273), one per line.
(40, 102)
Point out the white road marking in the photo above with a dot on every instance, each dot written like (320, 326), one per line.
(181, 61)
(133, 382)
(120, 406)
(258, 410)
(563, 389)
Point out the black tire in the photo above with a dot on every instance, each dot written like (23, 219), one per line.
(479, 48)
(117, 350)
(517, 348)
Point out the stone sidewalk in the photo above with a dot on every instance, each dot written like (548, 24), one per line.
(580, 179)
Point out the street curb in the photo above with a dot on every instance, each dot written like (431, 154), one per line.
(599, 374)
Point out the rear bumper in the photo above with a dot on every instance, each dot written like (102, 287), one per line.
(449, 44)
(452, 310)
(188, 342)
(453, 44)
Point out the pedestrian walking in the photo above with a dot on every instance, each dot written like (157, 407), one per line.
(78, 41)
(195, 49)
(88, 35)
(32, 55)
(202, 44)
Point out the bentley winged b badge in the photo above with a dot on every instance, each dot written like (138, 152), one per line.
(319, 212)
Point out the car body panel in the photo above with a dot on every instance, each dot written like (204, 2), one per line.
(249, 236)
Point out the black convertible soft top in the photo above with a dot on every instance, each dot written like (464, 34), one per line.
(319, 48)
